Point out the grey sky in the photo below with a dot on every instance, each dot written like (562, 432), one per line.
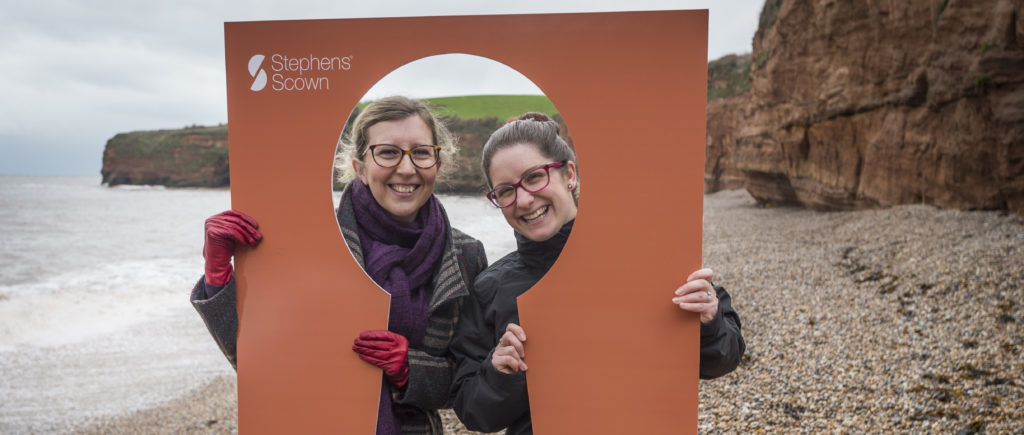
(74, 73)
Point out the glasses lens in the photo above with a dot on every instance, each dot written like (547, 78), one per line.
(387, 155)
(503, 196)
(424, 156)
(536, 179)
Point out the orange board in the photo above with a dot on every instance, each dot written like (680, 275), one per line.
(608, 351)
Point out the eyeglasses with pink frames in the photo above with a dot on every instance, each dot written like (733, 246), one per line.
(533, 181)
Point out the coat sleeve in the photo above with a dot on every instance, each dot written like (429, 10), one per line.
(220, 315)
(430, 376)
(721, 340)
(429, 380)
(484, 398)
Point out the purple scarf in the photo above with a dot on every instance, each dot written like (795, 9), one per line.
(400, 257)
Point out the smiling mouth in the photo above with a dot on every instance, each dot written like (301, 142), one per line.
(536, 215)
(403, 188)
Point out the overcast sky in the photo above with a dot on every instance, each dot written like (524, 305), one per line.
(74, 73)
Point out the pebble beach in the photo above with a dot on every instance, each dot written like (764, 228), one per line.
(906, 319)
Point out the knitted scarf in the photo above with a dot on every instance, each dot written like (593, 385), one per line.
(400, 257)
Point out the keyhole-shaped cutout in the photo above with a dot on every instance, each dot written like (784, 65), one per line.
(378, 150)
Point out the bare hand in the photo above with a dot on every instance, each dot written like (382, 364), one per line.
(509, 355)
(698, 295)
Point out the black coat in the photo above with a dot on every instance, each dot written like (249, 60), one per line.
(488, 400)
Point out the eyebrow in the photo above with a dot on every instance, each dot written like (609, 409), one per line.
(521, 175)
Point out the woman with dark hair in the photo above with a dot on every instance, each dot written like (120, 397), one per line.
(398, 232)
(535, 182)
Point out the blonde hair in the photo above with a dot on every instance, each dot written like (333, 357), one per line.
(394, 108)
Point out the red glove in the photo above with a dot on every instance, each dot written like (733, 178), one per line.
(223, 232)
(387, 350)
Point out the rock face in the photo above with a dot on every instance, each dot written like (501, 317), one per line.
(728, 95)
(464, 177)
(877, 103)
(190, 157)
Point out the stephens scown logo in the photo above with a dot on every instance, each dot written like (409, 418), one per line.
(296, 73)
(260, 76)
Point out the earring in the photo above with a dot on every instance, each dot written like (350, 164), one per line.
(570, 186)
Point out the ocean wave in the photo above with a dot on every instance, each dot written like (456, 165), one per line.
(75, 306)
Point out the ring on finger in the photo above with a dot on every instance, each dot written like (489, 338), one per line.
(708, 294)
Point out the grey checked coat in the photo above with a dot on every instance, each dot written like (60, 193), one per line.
(431, 366)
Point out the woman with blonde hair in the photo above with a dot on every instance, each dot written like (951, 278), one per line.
(400, 235)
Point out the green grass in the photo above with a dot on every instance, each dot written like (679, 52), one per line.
(148, 143)
(481, 106)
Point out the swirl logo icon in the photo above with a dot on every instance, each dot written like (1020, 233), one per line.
(258, 74)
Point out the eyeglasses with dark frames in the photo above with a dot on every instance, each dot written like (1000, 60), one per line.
(533, 181)
(389, 156)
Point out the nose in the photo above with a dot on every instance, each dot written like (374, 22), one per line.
(523, 198)
(405, 165)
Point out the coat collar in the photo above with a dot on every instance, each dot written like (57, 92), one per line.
(543, 254)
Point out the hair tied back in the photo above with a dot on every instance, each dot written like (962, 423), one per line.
(539, 117)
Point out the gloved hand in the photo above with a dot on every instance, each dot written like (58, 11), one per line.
(387, 350)
(223, 232)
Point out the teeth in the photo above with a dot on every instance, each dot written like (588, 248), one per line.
(536, 214)
(403, 188)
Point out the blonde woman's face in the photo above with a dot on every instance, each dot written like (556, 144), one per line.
(403, 189)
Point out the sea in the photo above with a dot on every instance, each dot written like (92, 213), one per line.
(94, 284)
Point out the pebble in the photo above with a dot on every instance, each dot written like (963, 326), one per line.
(905, 319)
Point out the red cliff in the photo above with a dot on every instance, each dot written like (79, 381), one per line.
(878, 103)
(191, 157)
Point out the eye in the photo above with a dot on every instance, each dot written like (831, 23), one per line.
(504, 191)
(535, 176)
(422, 152)
(386, 152)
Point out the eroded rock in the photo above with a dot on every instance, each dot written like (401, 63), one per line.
(870, 104)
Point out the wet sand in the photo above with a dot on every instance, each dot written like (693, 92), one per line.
(905, 319)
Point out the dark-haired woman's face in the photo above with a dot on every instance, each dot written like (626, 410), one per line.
(403, 189)
(538, 215)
